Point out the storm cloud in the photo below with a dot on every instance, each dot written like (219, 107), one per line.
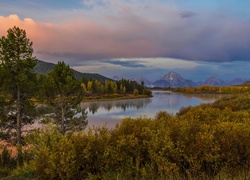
(127, 63)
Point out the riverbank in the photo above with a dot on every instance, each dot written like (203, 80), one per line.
(111, 97)
(207, 89)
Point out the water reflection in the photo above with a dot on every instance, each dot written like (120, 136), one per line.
(205, 97)
(119, 104)
(111, 112)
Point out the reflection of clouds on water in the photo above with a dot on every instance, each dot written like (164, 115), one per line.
(111, 112)
(172, 102)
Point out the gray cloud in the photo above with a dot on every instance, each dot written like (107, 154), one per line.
(127, 63)
(186, 14)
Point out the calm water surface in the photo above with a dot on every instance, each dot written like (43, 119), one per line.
(111, 112)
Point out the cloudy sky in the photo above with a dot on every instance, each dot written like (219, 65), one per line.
(131, 38)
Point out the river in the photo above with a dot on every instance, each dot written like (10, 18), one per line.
(111, 112)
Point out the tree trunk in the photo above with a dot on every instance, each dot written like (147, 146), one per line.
(18, 129)
(18, 117)
(63, 121)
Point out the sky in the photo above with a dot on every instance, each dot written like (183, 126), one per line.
(134, 38)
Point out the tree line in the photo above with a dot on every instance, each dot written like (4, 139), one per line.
(123, 86)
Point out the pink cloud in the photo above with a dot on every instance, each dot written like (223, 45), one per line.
(85, 40)
(36, 32)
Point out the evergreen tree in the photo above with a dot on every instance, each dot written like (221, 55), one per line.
(63, 92)
(17, 80)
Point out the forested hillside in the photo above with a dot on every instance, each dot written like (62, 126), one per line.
(44, 67)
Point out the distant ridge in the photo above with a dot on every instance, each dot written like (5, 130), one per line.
(43, 67)
(213, 81)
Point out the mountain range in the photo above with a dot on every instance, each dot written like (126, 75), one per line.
(173, 79)
(43, 67)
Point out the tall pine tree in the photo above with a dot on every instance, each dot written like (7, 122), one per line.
(63, 92)
(17, 80)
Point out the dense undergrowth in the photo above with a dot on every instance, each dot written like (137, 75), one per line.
(210, 141)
